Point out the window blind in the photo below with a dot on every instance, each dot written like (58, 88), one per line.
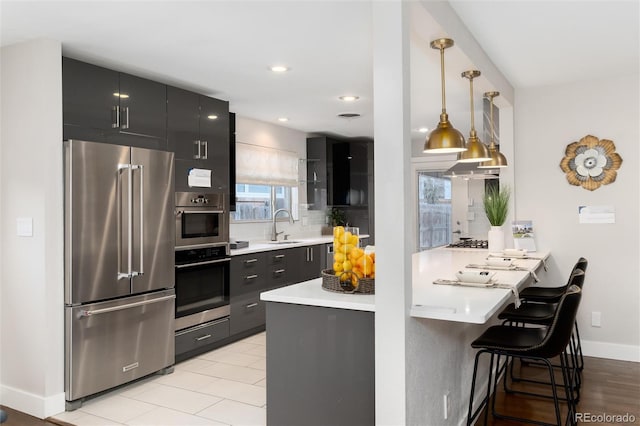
(266, 166)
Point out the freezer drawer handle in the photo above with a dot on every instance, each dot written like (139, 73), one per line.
(206, 336)
(85, 313)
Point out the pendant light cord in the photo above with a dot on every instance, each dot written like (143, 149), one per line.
(444, 107)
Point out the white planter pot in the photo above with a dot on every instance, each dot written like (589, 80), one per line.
(496, 239)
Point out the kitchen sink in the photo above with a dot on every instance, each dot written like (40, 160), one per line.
(284, 242)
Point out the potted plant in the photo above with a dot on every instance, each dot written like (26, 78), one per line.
(337, 217)
(496, 207)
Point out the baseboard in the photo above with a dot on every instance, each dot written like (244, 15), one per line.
(34, 405)
(611, 351)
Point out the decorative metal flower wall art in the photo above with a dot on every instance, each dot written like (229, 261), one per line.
(591, 162)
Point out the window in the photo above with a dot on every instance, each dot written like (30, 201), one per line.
(434, 210)
(269, 182)
(258, 202)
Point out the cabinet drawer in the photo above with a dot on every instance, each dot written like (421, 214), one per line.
(248, 274)
(247, 312)
(202, 335)
(278, 277)
(278, 257)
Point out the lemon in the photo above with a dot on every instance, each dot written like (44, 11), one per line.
(346, 265)
(337, 266)
(338, 257)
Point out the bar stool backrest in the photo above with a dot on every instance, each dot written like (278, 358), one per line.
(582, 263)
(559, 332)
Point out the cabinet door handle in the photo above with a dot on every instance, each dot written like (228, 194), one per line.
(250, 261)
(116, 111)
(251, 305)
(278, 271)
(126, 113)
(206, 336)
(199, 154)
(206, 150)
(251, 277)
(278, 256)
(311, 253)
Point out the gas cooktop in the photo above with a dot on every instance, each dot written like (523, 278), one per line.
(469, 243)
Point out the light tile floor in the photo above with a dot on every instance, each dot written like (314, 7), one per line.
(226, 386)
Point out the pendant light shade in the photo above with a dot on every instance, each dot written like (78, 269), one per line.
(444, 138)
(497, 158)
(476, 151)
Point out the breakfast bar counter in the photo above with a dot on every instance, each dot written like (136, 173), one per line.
(465, 303)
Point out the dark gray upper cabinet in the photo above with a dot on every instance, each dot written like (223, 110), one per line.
(108, 106)
(339, 173)
(198, 132)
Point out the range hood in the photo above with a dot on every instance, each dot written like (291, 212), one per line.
(471, 171)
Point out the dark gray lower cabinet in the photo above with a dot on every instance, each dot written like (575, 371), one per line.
(193, 339)
(248, 280)
(320, 365)
(251, 274)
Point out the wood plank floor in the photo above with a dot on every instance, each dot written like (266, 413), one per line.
(609, 387)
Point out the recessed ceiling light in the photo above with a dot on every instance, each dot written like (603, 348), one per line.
(349, 98)
(279, 68)
(423, 129)
(283, 119)
(212, 117)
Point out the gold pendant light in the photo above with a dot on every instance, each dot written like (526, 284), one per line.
(444, 138)
(476, 151)
(497, 158)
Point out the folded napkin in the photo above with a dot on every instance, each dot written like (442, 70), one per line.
(495, 268)
(490, 284)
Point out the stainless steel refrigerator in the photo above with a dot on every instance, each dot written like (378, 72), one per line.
(119, 266)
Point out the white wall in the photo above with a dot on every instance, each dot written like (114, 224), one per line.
(270, 135)
(32, 282)
(548, 119)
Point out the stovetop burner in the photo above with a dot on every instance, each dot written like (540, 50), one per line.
(468, 243)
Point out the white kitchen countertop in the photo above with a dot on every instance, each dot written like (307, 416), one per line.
(433, 301)
(259, 246)
(457, 303)
(311, 293)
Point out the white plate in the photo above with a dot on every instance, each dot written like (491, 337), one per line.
(515, 252)
(480, 277)
(499, 261)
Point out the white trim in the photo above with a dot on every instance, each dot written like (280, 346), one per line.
(611, 351)
(34, 405)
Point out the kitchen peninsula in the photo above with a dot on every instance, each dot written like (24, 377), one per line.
(321, 344)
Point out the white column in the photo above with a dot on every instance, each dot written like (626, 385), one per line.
(392, 151)
(32, 276)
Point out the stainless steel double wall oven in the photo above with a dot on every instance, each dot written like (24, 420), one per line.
(202, 264)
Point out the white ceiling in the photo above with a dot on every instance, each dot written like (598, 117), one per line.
(224, 49)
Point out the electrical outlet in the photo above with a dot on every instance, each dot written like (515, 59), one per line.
(595, 319)
(446, 405)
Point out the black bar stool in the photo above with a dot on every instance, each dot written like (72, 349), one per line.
(552, 295)
(531, 343)
(542, 314)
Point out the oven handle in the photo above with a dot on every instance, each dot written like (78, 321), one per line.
(179, 212)
(208, 262)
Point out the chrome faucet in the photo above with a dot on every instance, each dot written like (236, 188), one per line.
(274, 232)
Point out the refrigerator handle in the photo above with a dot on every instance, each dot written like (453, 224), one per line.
(87, 313)
(141, 207)
(127, 273)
